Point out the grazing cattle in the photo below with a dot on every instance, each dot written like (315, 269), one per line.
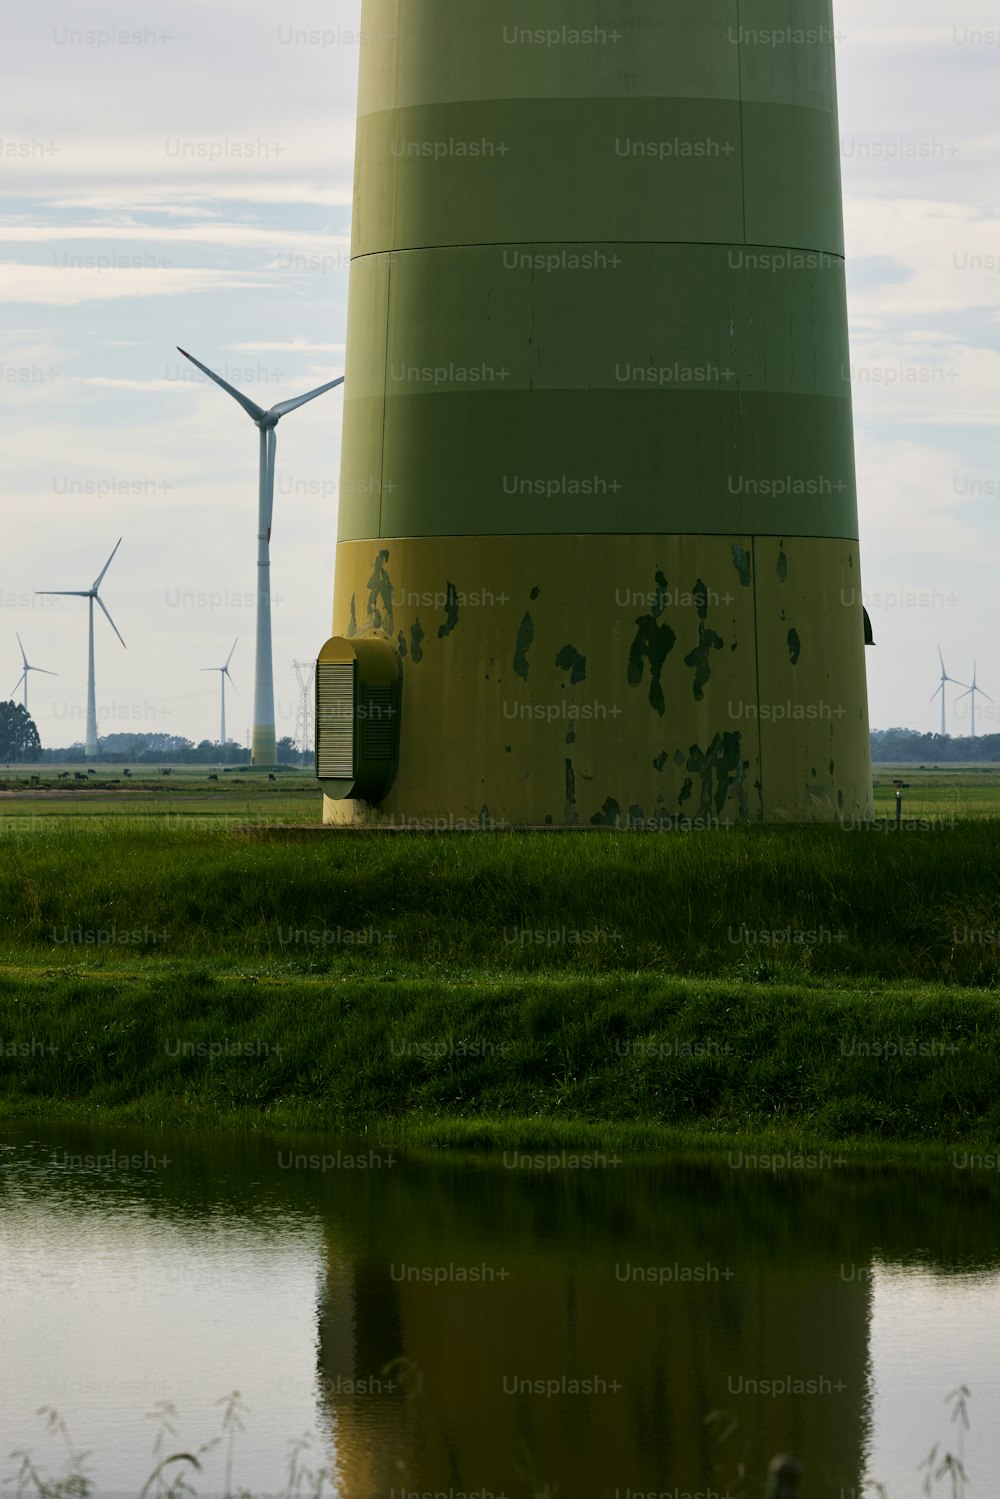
(64, 775)
(78, 775)
(213, 778)
(271, 777)
(126, 772)
(92, 772)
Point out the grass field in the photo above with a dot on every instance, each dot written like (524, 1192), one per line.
(185, 951)
(294, 797)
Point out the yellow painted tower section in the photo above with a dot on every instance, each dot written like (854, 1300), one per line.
(598, 482)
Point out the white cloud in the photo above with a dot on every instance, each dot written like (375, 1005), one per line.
(238, 236)
(911, 501)
(944, 257)
(188, 201)
(296, 346)
(55, 286)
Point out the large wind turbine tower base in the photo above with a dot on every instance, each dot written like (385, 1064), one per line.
(582, 680)
(598, 485)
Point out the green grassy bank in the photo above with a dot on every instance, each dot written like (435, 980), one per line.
(631, 1062)
(833, 985)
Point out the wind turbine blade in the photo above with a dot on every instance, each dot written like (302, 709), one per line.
(230, 656)
(107, 616)
(941, 659)
(23, 656)
(65, 593)
(284, 407)
(18, 684)
(935, 693)
(208, 668)
(100, 577)
(984, 694)
(43, 671)
(964, 694)
(250, 407)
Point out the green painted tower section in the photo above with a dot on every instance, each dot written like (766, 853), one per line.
(598, 482)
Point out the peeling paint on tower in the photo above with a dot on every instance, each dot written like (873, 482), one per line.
(416, 641)
(609, 816)
(569, 659)
(522, 645)
(380, 591)
(722, 763)
(450, 613)
(653, 643)
(708, 641)
(570, 813)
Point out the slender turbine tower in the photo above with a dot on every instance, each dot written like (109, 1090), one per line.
(23, 678)
(972, 693)
(92, 595)
(223, 674)
(941, 688)
(265, 750)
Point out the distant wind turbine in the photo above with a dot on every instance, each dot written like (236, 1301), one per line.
(223, 674)
(90, 748)
(265, 749)
(23, 678)
(972, 693)
(941, 688)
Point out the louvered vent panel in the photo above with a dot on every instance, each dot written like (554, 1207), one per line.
(378, 721)
(335, 720)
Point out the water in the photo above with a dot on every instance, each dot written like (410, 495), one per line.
(446, 1326)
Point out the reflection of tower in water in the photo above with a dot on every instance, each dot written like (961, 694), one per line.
(570, 1308)
(360, 1334)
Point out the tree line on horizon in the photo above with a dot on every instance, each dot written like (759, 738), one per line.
(20, 743)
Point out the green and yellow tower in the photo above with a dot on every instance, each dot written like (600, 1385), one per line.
(598, 501)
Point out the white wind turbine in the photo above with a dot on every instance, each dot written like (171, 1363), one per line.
(941, 688)
(92, 595)
(23, 678)
(972, 693)
(223, 674)
(265, 749)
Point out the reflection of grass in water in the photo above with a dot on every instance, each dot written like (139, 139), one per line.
(172, 1471)
(784, 1476)
(304, 1482)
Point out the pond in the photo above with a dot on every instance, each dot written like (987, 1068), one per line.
(519, 1324)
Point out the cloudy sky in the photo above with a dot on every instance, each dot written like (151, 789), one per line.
(182, 174)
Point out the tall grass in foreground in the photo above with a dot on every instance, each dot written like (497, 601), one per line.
(759, 901)
(173, 1472)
